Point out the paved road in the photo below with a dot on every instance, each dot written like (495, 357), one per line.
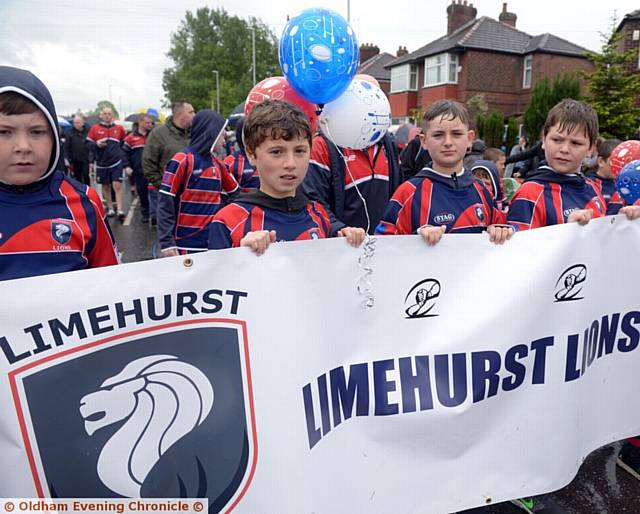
(600, 487)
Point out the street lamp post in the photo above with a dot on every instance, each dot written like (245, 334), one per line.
(253, 46)
(217, 89)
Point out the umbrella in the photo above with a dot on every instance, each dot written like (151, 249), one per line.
(402, 134)
(63, 123)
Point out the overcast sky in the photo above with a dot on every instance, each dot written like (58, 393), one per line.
(87, 51)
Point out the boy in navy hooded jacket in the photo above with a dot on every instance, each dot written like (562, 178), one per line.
(278, 143)
(49, 223)
(444, 196)
(192, 187)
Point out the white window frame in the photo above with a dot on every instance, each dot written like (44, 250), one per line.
(447, 69)
(527, 72)
(404, 78)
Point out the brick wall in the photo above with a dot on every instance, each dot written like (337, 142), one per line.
(548, 65)
(627, 42)
(428, 95)
(498, 77)
(402, 103)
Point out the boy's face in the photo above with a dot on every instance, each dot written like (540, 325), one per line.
(500, 165)
(282, 165)
(564, 151)
(26, 143)
(604, 168)
(447, 141)
(219, 144)
(486, 179)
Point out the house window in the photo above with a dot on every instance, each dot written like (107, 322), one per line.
(441, 69)
(526, 77)
(404, 78)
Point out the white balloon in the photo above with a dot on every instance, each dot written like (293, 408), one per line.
(358, 118)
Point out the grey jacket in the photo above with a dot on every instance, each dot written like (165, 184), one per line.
(162, 143)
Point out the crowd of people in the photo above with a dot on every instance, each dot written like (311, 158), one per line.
(282, 183)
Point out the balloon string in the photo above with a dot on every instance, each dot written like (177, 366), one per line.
(364, 285)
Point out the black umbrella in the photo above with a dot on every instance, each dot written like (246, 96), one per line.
(132, 117)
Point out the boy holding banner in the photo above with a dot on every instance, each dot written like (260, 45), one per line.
(49, 223)
(444, 197)
(277, 138)
(557, 192)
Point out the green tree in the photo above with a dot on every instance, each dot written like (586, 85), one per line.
(512, 133)
(544, 96)
(613, 89)
(490, 128)
(101, 104)
(209, 40)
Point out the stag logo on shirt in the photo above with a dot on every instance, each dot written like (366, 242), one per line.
(443, 219)
(570, 283)
(164, 415)
(421, 299)
(60, 232)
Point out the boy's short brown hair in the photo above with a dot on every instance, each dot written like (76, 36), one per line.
(449, 110)
(493, 154)
(12, 103)
(606, 146)
(275, 119)
(572, 114)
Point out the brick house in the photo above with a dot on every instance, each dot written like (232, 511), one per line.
(629, 27)
(373, 63)
(480, 56)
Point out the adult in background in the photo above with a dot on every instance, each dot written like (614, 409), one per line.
(132, 148)
(163, 142)
(105, 139)
(77, 151)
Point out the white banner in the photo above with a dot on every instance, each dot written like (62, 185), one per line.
(481, 373)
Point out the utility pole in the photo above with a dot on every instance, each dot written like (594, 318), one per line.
(349, 11)
(253, 46)
(217, 89)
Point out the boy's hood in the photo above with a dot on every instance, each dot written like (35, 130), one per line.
(545, 173)
(464, 180)
(28, 85)
(240, 133)
(207, 127)
(490, 167)
(257, 197)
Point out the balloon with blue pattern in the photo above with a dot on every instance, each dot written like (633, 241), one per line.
(359, 118)
(319, 54)
(628, 182)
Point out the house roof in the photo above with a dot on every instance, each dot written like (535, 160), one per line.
(375, 66)
(632, 16)
(488, 34)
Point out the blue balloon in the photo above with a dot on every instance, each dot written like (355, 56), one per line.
(319, 54)
(628, 182)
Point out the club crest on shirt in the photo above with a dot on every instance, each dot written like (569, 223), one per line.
(480, 212)
(60, 232)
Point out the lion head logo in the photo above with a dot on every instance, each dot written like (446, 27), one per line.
(160, 400)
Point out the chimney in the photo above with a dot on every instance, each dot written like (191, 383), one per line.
(367, 51)
(459, 13)
(402, 50)
(507, 17)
